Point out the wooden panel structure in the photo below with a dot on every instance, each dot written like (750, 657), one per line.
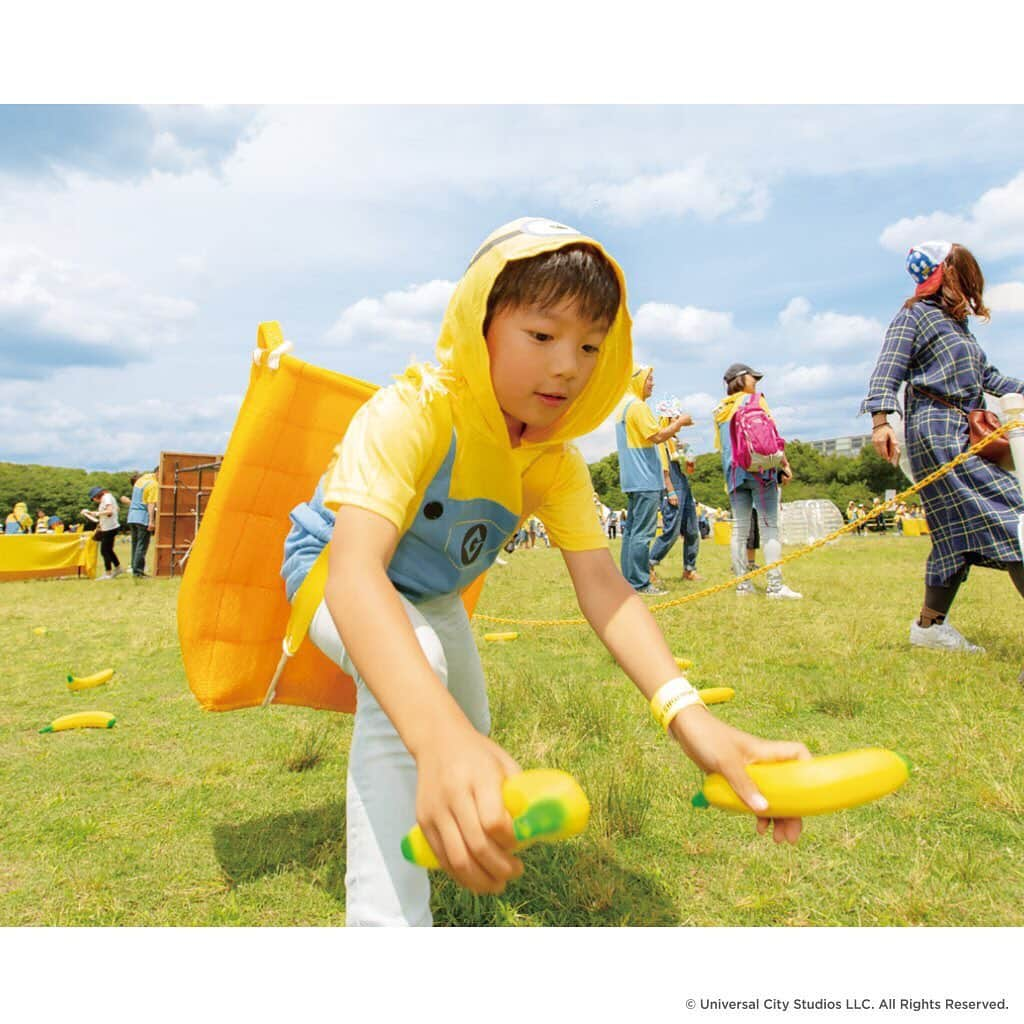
(186, 482)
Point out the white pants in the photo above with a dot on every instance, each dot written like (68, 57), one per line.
(381, 887)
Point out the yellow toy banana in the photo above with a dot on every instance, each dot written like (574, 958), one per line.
(82, 720)
(546, 805)
(717, 694)
(87, 682)
(799, 789)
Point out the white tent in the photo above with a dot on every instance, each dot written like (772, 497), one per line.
(803, 522)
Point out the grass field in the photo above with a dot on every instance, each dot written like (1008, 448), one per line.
(181, 817)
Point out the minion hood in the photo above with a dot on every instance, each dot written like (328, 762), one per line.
(21, 511)
(638, 380)
(462, 350)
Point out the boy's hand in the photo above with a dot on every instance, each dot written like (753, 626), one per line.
(717, 747)
(460, 809)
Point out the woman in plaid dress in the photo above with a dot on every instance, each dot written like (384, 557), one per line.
(972, 511)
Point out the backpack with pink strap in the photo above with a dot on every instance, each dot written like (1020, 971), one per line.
(756, 444)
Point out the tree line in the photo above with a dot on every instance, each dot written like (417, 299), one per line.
(838, 478)
(58, 491)
(64, 492)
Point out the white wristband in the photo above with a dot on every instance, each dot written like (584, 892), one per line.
(673, 697)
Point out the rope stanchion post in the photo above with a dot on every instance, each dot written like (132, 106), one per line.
(1015, 425)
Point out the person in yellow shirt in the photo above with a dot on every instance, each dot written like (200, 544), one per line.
(637, 435)
(18, 520)
(141, 516)
(434, 474)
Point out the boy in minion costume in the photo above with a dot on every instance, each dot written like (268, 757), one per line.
(434, 474)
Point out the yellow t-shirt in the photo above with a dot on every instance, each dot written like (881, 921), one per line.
(641, 423)
(455, 494)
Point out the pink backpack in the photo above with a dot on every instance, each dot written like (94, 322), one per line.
(756, 444)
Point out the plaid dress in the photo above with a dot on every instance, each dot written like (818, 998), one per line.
(972, 511)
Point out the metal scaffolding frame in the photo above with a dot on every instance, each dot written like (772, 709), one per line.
(200, 494)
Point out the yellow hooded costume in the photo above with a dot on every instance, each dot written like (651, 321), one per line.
(723, 414)
(19, 521)
(431, 453)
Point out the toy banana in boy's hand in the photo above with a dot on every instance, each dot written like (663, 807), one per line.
(546, 805)
(799, 789)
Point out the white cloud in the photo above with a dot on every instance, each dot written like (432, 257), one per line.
(808, 378)
(692, 190)
(110, 434)
(992, 227)
(699, 406)
(827, 331)
(395, 321)
(689, 325)
(599, 443)
(62, 314)
(1005, 298)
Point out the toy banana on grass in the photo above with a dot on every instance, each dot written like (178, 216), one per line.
(500, 637)
(546, 805)
(87, 682)
(717, 694)
(799, 789)
(82, 720)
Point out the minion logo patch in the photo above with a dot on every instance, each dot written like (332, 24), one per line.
(473, 543)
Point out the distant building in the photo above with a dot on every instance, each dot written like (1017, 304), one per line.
(848, 446)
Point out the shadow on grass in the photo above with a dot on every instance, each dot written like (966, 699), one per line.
(312, 840)
(563, 886)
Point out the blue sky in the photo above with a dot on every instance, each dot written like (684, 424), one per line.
(141, 246)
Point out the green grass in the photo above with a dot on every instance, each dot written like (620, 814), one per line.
(181, 817)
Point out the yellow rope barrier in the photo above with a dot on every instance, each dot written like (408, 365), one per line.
(1002, 429)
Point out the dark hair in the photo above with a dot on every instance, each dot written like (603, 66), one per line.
(135, 476)
(736, 384)
(963, 286)
(578, 272)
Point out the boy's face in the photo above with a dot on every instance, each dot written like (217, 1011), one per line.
(541, 360)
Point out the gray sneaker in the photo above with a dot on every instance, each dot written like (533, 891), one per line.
(941, 637)
(782, 592)
(745, 589)
(651, 591)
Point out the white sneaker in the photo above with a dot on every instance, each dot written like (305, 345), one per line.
(745, 589)
(105, 576)
(784, 592)
(500, 561)
(117, 571)
(941, 637)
